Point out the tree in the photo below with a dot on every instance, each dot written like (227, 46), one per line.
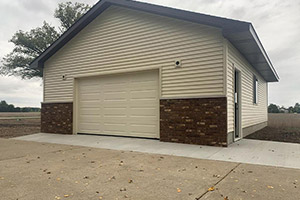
(291, 109)
(297, 108)
(69, 13)
(283, 109)
(30, 44)
(5, 107)
(272, 108)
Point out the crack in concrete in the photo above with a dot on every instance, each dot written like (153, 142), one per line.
(198, 198)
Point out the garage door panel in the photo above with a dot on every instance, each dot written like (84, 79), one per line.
(89, 104)
(143, 95)
(144, 77)
(85, 82)
(114, 82)
(90, 119)
(115, 128)
(142, 85)
(149, 120)
(114, 104)
(90, 88)
(135, 128)
(143, 112)
(89, 91)
(114, 96)
(89, 126)
(112, 119)
(115, 111)
(123, 104)
(142, 103)
(114, 87)
(147, 92)
(87, 112)
(89, 96)
(117, 133)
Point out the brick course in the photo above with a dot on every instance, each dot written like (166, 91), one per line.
(194, 121)
(57, 118)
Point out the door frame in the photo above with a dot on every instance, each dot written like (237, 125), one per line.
(237, 116)
(110, 73)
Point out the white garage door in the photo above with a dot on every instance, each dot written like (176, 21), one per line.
(125, 104)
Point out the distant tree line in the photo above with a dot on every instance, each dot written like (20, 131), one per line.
(273, 108)
(5, 107)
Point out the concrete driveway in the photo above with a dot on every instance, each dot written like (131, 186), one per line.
(245, 151)
(32, 170)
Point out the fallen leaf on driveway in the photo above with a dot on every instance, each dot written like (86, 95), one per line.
(211, 189)
(270, 187)
(66, 195)
(178, 190)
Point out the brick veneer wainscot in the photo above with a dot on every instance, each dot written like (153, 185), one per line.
(201, 121)
(57, 118)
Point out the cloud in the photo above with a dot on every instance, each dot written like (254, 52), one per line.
(21, 92)
(34, 6)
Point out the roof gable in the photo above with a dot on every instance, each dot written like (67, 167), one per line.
(241, 34)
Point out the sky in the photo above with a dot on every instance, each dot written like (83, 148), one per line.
(275, 21)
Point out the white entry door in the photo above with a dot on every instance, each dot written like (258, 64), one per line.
(123, 104)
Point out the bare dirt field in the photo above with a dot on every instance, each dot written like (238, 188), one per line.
(282, 127)
(284, 120)
(283, 134)
(16, 126)
(19, 114)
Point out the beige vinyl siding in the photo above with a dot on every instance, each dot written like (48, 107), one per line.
(251, 113)
(122, 39)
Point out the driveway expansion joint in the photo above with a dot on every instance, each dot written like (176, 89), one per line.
(221, 179)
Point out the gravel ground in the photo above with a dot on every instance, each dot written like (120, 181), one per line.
(14, 128)
(277, 134)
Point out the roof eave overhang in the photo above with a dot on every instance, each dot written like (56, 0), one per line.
(249, 45)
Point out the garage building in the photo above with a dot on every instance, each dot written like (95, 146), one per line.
(134, 69)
